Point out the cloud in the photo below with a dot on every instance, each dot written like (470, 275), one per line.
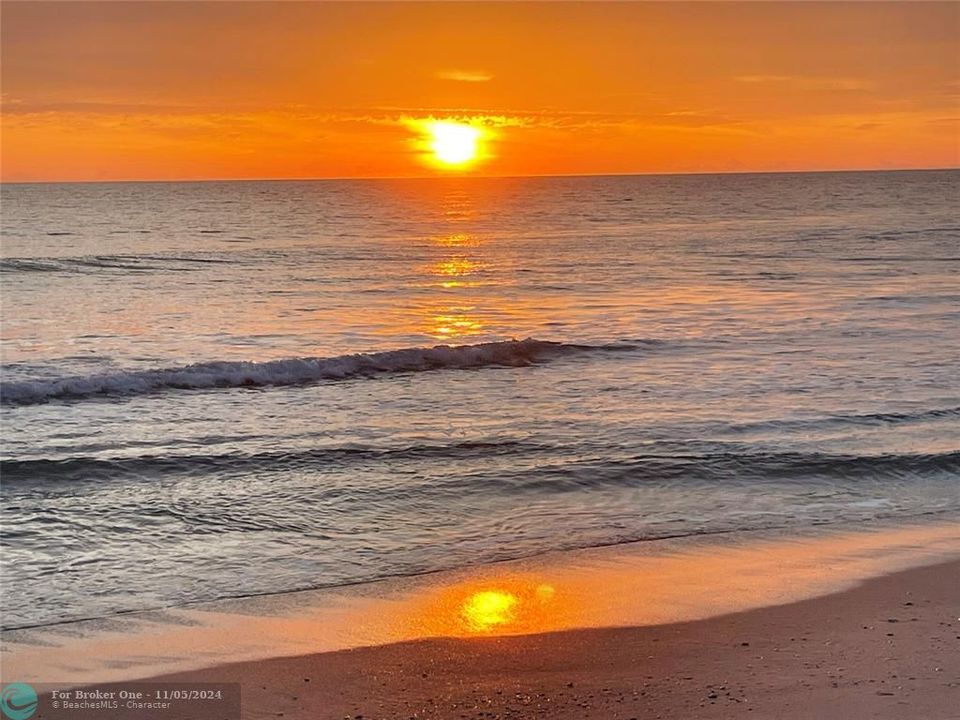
(806, 82)
(754, 79)
(471, 76)
(299, 119)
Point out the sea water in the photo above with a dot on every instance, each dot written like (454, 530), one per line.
(224, 389)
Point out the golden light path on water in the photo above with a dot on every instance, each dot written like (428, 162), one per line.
(457, 272)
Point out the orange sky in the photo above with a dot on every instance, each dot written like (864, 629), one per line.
(181, 90)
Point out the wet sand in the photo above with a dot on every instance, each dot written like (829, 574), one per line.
(888, 648)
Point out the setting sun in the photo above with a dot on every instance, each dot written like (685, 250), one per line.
(453, 143)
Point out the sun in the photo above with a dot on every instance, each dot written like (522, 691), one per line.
(453, 144)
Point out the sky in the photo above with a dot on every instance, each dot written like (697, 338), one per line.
(191, 90)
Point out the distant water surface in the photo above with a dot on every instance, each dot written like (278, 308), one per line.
(225, 389)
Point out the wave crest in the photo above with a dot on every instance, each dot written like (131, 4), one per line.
(294, 371)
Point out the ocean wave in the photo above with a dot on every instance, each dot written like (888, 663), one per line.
(858, 419)
(720, 468)
(96, 263)
(560, 475)
(89, 467)
(294, 371)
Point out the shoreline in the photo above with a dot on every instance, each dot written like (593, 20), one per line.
(760, 534)
(653, 584)
(887, 648)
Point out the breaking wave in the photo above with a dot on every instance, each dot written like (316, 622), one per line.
(294, 371)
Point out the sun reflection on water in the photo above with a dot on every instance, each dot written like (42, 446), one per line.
(453, 269)
(455, 322)
(456, 239)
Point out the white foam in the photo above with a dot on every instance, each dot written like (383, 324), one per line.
(294, 371)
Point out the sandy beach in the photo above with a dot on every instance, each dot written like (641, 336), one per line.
(889, 648)
(755, 636)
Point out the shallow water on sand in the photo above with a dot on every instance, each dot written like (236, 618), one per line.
(186, 417)
(637, 584)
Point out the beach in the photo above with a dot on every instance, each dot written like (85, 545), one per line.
(861, 620)
(885, 649)
(445, 448)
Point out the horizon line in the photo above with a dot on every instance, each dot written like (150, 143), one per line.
(452, 176)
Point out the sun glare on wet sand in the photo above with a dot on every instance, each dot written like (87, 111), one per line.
(489, 610)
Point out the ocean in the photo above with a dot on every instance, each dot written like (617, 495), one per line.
(226, 389)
